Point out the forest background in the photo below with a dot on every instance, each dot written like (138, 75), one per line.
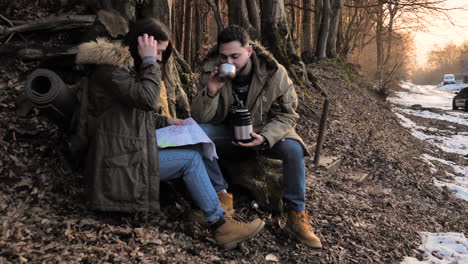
(375, 35)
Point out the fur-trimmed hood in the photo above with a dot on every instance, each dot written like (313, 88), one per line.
(104, 51)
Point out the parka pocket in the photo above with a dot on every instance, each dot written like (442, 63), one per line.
(122, 177)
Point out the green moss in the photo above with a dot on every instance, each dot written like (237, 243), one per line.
(187, 81)
(306, 94)
(279, 48)
(343, 70)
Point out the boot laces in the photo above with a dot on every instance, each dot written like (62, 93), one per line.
(303, 221)
(235, 218)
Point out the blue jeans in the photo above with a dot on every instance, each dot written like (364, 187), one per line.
(187, 163)
(288, 150)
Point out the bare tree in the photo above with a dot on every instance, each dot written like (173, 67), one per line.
(277, 37)
(215, 7)
(239, 15)
(254, 18)
(356, 24)
(307, 27)
(323, 30)
(188, 31)
(336, 7)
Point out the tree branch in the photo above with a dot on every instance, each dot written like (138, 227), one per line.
(52, 24)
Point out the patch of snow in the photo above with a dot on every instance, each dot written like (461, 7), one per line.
(459, 185)
(443, 101)
(453, 87)
(457, 143)
(463, 170)
(459, 119)
(441, 248)
(424, 95)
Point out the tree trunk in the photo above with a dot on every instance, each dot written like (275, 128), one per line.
(159, 9)
(324, 30)
(238, 16)
(197, 41)
(254, 18)
(52, 24)
(336, 7)
(379, 36)
(215, 7)
(307, 30)
(124, 7)
(276, 36)
(188, 32)
(392, 10)
(318, 13)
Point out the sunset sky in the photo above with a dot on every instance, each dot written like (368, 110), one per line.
(442, 32)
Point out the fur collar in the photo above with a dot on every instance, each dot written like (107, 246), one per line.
(104, 51)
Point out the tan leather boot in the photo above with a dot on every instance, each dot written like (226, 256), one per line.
(229, 231)
(226, 201)
(299, 226)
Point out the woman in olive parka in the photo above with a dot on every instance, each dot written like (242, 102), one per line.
(123, 164)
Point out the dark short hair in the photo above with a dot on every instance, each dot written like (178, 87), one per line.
(233, 33)
(152, 27)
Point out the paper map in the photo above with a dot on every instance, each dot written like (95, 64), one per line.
(188, 134)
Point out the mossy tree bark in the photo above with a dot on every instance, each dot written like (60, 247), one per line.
(276, 36)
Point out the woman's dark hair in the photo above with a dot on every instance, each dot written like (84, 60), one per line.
(152, 27)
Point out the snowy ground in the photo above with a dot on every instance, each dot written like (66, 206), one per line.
(438, 248)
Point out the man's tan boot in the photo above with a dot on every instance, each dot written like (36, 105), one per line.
(299, 226)
(229, 232)
(226, 201)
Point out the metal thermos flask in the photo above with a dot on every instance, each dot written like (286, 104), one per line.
(242, 126)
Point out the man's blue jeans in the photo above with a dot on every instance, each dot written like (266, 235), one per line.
(187, 163)
(288, 150)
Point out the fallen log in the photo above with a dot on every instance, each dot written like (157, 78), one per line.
(52, 24)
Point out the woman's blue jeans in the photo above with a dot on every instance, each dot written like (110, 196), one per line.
(187, 163)
(288, 150)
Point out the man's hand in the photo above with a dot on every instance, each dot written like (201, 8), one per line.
(140, 1)
(258, 140)
(147, 46)
(214, 84)
(175, 121)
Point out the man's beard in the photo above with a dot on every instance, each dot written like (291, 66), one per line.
(242, 68)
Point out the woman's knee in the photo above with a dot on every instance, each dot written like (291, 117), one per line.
(193, 155)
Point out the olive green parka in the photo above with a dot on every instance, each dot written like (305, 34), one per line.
(121, 167)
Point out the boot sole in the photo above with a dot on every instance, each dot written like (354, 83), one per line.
(308, 243)
(233, 244)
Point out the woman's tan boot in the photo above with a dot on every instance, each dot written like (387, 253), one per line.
(226, 201)
(230, 232)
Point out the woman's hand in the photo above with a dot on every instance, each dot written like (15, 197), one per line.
(175, 121)
(147, 46)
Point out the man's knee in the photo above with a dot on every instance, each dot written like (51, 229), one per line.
(291, 149)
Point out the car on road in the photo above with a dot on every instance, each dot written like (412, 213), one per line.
(449, 79)
(461, 100)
